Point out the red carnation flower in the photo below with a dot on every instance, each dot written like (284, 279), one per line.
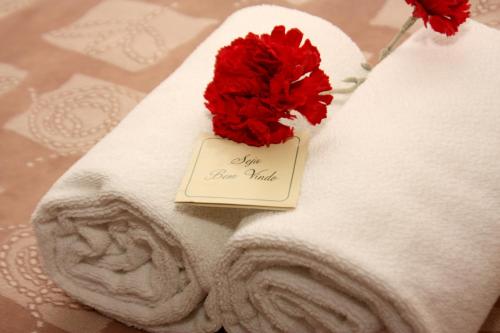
(444, 16)
(258, 80)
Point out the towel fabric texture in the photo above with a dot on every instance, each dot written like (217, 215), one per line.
(109, 232)
(398, 224)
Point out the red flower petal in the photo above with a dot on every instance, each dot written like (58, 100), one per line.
(258, 80)
(309, 102)
(444, 16)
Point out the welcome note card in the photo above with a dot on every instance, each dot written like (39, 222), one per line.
(229, 174)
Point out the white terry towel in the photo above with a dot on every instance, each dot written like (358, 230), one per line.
(398, 224)
(109, 232)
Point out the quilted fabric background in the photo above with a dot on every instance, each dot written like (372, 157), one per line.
(70, 71)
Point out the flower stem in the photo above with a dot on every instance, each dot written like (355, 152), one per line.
(392, 45)
(356, 82)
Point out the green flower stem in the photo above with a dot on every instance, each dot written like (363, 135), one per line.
(356, 82)
(392, 45)
(366, 66)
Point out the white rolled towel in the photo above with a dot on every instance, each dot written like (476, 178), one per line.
(398, 228)
(108, 230)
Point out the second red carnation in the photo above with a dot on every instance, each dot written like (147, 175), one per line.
(444, 16)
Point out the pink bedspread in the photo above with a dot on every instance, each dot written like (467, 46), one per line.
(69, 71)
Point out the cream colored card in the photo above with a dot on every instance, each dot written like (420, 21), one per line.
(229, 174)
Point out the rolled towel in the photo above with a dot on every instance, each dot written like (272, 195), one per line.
(108, 230)
(398, 228)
